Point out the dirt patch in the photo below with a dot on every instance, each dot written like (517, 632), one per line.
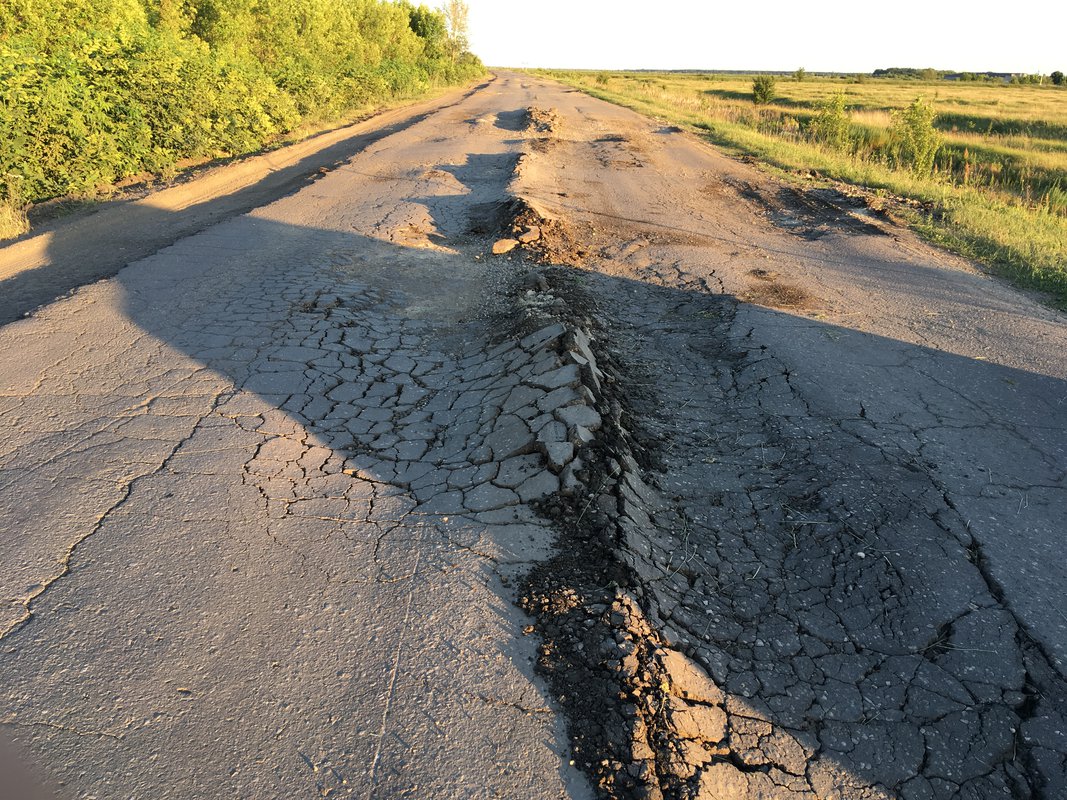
(811, 213)
(642, 718)
(543, 145)
(768, 290)
(542, 120)
(547, 239)
(494, 219)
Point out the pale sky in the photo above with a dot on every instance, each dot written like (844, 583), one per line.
(819, 35)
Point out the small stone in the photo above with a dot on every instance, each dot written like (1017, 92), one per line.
(581, 436)
(502, 246)
(558, 454)
(579, 415)
(531, 234)
(688, 680)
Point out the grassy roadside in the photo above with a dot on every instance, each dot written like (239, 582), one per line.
(134, 187)
(94, 94)
(992, 211)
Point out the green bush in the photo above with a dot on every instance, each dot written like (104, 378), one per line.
(915, 141)
(763, 89)
(831, 125)
(95, 90)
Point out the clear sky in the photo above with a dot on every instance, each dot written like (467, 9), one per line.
(819, 35)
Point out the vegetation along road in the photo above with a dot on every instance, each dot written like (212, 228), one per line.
(535, 449)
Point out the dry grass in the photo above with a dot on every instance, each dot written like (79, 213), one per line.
(13, 221)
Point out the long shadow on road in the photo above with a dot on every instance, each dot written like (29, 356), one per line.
(99, 244)
(291, 582)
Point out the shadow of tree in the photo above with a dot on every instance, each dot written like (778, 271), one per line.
(353, 393)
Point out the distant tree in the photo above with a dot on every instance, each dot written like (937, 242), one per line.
(763, 89)
(1057, 78)
(800, 75)
(457, 15)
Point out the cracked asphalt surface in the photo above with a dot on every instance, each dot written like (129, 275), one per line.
(267, 492)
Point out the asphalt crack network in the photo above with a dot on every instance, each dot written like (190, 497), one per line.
(795, 560)
(64, 562)
(342, 451)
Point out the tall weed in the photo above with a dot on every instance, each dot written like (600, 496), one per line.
(831, 125)
(915, 140)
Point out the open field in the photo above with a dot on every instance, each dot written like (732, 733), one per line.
(998, 192)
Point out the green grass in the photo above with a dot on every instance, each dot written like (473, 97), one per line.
(998, 192)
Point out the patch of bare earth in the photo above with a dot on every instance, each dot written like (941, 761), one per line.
(769, 290)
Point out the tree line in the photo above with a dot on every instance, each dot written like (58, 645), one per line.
(92, 91)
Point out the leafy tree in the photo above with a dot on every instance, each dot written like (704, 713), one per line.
(94, 90)
(1056, 78)
(800, 75)
(457, 15)
(763, 89)
(431, 27)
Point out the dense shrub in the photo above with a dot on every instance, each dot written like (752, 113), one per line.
(763, 89)
(95, 90)
(831, 125)
(914, 139)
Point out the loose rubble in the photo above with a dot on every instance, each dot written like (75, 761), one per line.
(698, 655)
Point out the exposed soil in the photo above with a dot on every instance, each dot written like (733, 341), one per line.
(768, 290)
(664, 556)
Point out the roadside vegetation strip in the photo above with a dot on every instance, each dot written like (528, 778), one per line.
(91, 92)
(995, 189)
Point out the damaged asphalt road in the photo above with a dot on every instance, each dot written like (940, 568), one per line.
(705, 489)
